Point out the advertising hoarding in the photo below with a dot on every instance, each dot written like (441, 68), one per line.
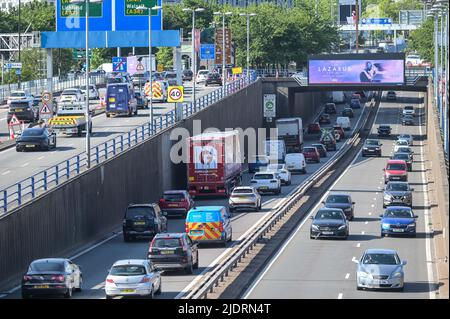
(357, 69)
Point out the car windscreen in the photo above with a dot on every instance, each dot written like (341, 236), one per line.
(128, 270)
(134, 212)
(167, 242)
(396, 167)
(409, 107)
(263, 176)
(173, 197)
(318, 146)
(399, 187)
(338, 199)
(404, 150)
(380, 259)
(17, 94)
(171, 76)
(401, 156)
(43, 266)
(70, 93)
(328, 214)
(20, 104)
(33, 132)
(274, 167)
(398, 213)
(372, 142)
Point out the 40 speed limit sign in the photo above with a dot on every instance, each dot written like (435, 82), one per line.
(175, 94)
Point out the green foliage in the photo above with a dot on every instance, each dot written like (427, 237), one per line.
(388, 8)
(165, 56)
(39, 15)
(421, 40)
(99, 56)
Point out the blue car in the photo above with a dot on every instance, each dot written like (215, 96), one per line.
(398, 220)
(355, 104)
(257, 163)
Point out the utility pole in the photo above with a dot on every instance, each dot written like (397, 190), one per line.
(19, 76)
(357, 25)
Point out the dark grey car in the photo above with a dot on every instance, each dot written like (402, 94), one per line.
(329, 222)
(405, 149)
(398, 194)
(407, 120)
(371, 147)
(342, 201)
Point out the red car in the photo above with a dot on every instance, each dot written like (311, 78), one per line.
(314, 128)
(340, 130)
(176, 202)
(311, 154)
(395, 170)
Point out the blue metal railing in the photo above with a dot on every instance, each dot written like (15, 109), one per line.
(34, 186)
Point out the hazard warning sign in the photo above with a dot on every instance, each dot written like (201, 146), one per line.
(140, 67)
(45, 112)
(14, 120)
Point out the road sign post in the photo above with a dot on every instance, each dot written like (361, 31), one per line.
(175, 94)
(269, 106)
(46, 111)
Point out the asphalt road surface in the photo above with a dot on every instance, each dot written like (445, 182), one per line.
(307, 268)
(96, 260)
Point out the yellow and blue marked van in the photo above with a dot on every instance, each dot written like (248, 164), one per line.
(209, 224)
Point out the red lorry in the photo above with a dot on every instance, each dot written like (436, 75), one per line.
(214, 163)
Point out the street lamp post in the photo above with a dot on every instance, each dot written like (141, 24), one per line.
(248, 15)
(86, 73)
(194, 57)
(150, 60)
(224, 50)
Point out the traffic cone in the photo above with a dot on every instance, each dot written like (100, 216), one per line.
(11, 133)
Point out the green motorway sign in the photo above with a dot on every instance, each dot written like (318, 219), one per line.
(131, 5)
(79, 9)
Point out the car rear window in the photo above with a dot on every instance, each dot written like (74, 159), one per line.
(134, 212)
(32, 132)
(263, 176)
(338, 199)
(173, 197)
(309, 149)
(396, 167)
(128, 270)
(203, 217)
(167, 242)
(43, 266)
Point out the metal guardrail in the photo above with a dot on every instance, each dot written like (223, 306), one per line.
(245, 246)
(31, 187)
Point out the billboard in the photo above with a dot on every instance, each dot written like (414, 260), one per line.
(357, 69)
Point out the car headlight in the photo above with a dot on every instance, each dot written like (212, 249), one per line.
(365, 148)
(342, 227)
(412, 225)
(377, 148)
(363, 274)
(315, 227)
(387, 197)
(385, 225)
(397, 274)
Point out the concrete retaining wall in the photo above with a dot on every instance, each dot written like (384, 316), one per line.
(91, 205)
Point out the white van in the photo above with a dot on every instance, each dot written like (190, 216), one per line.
(344, 122)
(295, 162)
(275, 150)
(338, 97)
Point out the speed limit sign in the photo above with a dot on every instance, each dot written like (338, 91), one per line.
(175, 94)
(46, 96)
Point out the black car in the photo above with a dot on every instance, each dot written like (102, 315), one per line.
(407, 120)
(143, 220)
(397, 194)
(187, 75)
(384, 130)
(371, 147)
(36, 138)
(348, 112)
(330, 108)
(173, 251)
(51, 276)
(321, 148)
(329, 222)
(342, 201)
(407, 157)
(24, 110)
(141, 101)
(213, 78)
(324, 118)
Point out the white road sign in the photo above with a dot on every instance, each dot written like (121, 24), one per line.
(269, 105)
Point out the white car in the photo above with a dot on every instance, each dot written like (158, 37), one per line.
(133, 277)
(201, 76)
(19, 95)
(93, 92)
(409, 110)
(282, 171)
(400, 143)
(344, 122)
(413, 60)
(295, 162)
(267, 182)
(407, 137)
(71, 95)
(244, 197)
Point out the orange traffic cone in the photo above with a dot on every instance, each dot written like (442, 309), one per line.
(11, 133)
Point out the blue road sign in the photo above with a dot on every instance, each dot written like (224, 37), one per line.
(18, 71)
(207, 52)
(376, 21)
(119, 64)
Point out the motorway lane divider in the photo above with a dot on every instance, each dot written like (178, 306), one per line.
(28, 189)
(225, 280)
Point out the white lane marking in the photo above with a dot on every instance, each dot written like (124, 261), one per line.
(370, 213)
(347, 276)
(426, 221)
(373, 205)
(363, 232)
(268, 201)
(25, 165)
(6, 173)
(358, 245)
(41, 157)
(340, 295)
(99, 286)
(366, 222)
(374, 198)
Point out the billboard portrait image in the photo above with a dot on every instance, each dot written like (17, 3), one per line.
(358, 69)
(205, 157)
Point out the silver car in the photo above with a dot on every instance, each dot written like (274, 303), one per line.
(133, 277)
(407, 137)
(380, 269)
(244, 197)
(282, 171)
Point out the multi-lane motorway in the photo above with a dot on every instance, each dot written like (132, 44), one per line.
(306, 268)
(15, 167)
(97, 259)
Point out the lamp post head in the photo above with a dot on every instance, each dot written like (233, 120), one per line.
(199, 9)
(186, 10)
(228, 13)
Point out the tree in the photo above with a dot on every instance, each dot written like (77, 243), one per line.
(99, 56)
(421, 40)
(165, 56)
